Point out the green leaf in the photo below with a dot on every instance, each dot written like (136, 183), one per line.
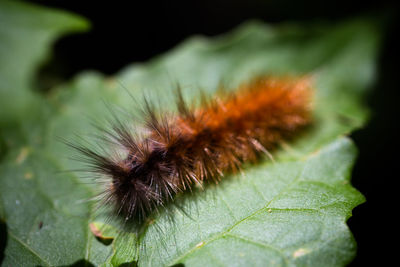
(26, 34)
(288, 212)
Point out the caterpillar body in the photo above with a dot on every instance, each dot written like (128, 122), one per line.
(198, 145)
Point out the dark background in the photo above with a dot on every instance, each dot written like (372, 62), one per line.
(129, 31)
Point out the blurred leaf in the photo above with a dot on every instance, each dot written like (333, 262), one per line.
(35, 200)
(26, 33)
(291, 212)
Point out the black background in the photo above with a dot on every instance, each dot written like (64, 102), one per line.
(129, 31)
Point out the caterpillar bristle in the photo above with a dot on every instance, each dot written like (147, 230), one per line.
(195, 146)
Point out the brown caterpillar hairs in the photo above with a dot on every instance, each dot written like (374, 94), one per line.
(194, 146)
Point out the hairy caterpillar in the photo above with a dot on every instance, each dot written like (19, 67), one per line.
(198, 145)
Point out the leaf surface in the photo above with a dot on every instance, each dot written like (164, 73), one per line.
(290, 212)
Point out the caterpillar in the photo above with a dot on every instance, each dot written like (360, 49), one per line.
(179, 151)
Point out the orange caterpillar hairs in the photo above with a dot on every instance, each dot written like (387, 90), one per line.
(195, 146)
